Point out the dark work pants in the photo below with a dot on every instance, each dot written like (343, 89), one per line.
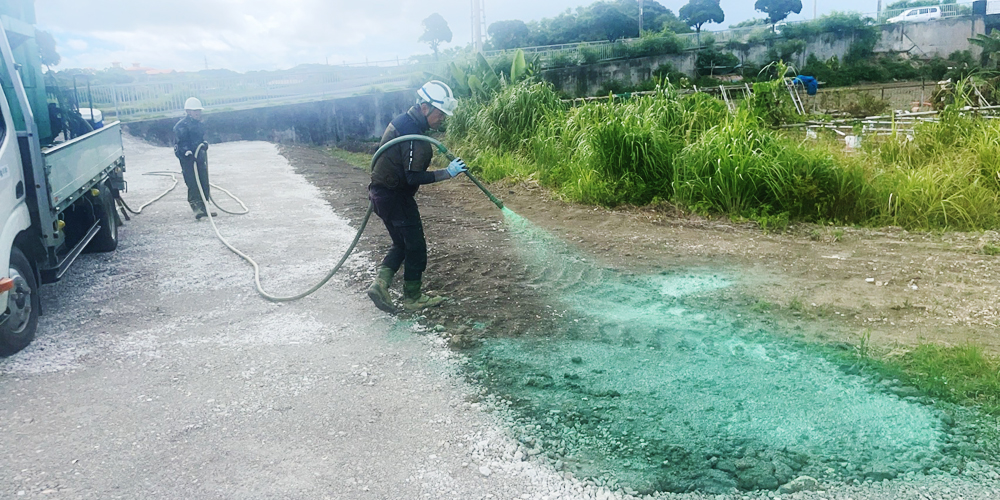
(187, 168)
(401, 216)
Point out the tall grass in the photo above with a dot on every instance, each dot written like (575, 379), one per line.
(743, 168)
(691, 150)
(944, 177)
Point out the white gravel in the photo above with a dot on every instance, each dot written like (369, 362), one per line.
(159, 373)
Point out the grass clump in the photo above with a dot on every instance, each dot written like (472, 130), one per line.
(743, 168)
(964, 375)
(360, 160)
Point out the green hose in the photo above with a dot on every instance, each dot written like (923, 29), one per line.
(357, 237)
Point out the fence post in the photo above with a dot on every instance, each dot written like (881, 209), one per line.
(114, 92)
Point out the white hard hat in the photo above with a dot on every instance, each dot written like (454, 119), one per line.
(439, 95)
(193, 104)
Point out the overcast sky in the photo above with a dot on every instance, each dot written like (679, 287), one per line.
(246, 35)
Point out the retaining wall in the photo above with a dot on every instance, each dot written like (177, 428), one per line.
(920, 40)
(320, 122)
(586, 80)
(934, 38)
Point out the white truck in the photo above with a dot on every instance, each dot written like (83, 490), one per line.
(57, 189)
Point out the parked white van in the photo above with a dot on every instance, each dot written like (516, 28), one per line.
(917, 15)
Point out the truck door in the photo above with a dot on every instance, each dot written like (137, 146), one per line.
(14, 215)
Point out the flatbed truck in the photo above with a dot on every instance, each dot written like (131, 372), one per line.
(57, 195)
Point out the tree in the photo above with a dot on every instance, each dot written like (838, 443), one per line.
(777, 10)
(699, 12)
(436, 31)
(670, 22)
(47, 48)
(608, 20)
(509, 34)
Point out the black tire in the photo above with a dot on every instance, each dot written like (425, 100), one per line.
(106, 239)
(23, 306)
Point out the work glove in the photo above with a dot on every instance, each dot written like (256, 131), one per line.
(189, 153)
(456, 167)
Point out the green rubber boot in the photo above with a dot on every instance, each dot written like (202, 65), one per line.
(379, 291)
(414, 301)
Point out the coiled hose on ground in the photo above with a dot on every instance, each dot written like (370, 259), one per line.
(357, 237)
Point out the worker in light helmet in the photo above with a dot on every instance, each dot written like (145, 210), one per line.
(396, 176)
(190, 134)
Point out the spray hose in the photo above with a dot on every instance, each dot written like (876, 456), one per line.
(357, 237)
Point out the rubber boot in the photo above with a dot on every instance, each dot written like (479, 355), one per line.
(379, 291)
(414, 301)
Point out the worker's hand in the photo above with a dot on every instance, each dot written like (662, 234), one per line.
(188, 153)
(456, 167)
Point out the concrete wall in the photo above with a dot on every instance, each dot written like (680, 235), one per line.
(586, 80)
(824, 47)
(919, 40)
(934, 38)
(321, 122)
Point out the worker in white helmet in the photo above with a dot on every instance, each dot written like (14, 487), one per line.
(397, 175)
(190, 133)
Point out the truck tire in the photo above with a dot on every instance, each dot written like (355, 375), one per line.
(106, 240)
(22, 304)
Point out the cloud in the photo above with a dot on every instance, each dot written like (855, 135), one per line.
(78, 45)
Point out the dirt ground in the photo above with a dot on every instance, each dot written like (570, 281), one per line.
(830, 284)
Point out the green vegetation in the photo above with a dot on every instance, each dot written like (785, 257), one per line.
(778, 10)
(690, 150)
(964, 375)
(360, 160)
(697, 13)
(605, 20)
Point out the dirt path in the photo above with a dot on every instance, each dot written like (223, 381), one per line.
(821, 283)
(159, 373)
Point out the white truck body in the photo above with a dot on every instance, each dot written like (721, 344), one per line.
(55, 202)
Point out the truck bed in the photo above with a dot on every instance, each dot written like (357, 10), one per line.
(73, 167)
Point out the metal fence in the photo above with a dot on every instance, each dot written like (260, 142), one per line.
(150, 100)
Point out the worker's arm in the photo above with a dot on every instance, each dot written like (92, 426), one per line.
(416, 160)
(183, 145)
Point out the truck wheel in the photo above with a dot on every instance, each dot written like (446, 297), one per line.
(106, 240)
(22, 306)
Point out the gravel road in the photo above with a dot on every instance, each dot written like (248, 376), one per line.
(159, 373)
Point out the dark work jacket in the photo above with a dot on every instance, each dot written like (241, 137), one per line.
(403, 167)
(190, 133)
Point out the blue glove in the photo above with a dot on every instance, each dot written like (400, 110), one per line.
(456, 167)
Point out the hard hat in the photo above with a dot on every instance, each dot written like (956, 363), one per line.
(193, 104)
(439, 95)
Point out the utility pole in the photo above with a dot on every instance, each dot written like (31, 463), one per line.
(478, 21)
(814, 10)
(640, 16)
